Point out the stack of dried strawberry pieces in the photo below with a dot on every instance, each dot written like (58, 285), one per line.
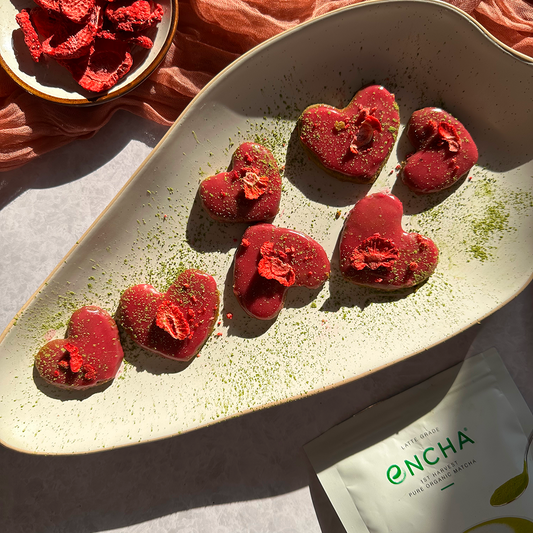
(91, 38)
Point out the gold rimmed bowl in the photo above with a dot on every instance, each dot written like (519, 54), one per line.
(49, 80)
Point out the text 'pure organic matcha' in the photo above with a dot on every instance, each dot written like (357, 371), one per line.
(449, 455)
(430, 457)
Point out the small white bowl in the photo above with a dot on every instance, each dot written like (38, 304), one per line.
(48, 80)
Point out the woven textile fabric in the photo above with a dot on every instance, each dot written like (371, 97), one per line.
(211, 34)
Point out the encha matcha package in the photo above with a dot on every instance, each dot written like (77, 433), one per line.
(446, 456)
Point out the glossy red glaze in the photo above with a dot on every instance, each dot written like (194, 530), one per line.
(381, 214)
(434, 166)
(94, 333)
(195, 294)
(329, 135)
(264, 298)
(223, 195)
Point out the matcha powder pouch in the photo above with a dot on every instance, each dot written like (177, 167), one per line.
(446, 456)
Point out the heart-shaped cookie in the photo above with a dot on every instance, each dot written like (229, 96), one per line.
(176, 323)
(354, 143)
(90, 354)
(445, 151)
(268, 261)
(250, 191)
(375, 251)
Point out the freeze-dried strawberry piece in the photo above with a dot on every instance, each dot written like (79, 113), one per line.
(170, 319)
(76, 10)
(276, 264)
(448, 134)
(140, 40)
(75, 359)
(254, 184)
(373, 253)
(364, 127)
(89, 372)
(127, 37)
(68, 45)
(30, 35)
(45, 22)
(133, 16)
(49, 5)
(107, 62)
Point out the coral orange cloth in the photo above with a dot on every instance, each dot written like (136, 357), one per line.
(211, 34)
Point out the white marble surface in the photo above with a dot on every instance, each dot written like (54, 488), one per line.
(246, 474)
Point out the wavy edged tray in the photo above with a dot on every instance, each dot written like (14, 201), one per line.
(482, 226)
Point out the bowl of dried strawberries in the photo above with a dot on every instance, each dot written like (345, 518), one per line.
(84, 52)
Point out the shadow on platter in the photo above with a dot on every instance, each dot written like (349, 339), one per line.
(315, 183)
(145, 361)
(206, 235)
(66, 395)
(346, 294)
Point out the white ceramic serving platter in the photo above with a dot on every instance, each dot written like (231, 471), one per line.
(428, 53)
(48, 80)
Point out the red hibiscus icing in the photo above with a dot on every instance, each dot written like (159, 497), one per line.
(90, 354)
(250, 191)
(268, 261)
(276, 264)
(174, 324)
(445, 151)
(355, 142)
(375, 251)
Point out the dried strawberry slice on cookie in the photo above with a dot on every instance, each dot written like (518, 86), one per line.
(249, 192)
(90, 354)
(375, 251)
(354, 143)
(268, 261)
(176, 323)
(445, 151)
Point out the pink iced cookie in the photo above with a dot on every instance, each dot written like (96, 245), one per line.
(376, 252)
(353, 143)
(445, 151)
(249, 192)
(90, 354)
(268, 261)
(175, 324)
